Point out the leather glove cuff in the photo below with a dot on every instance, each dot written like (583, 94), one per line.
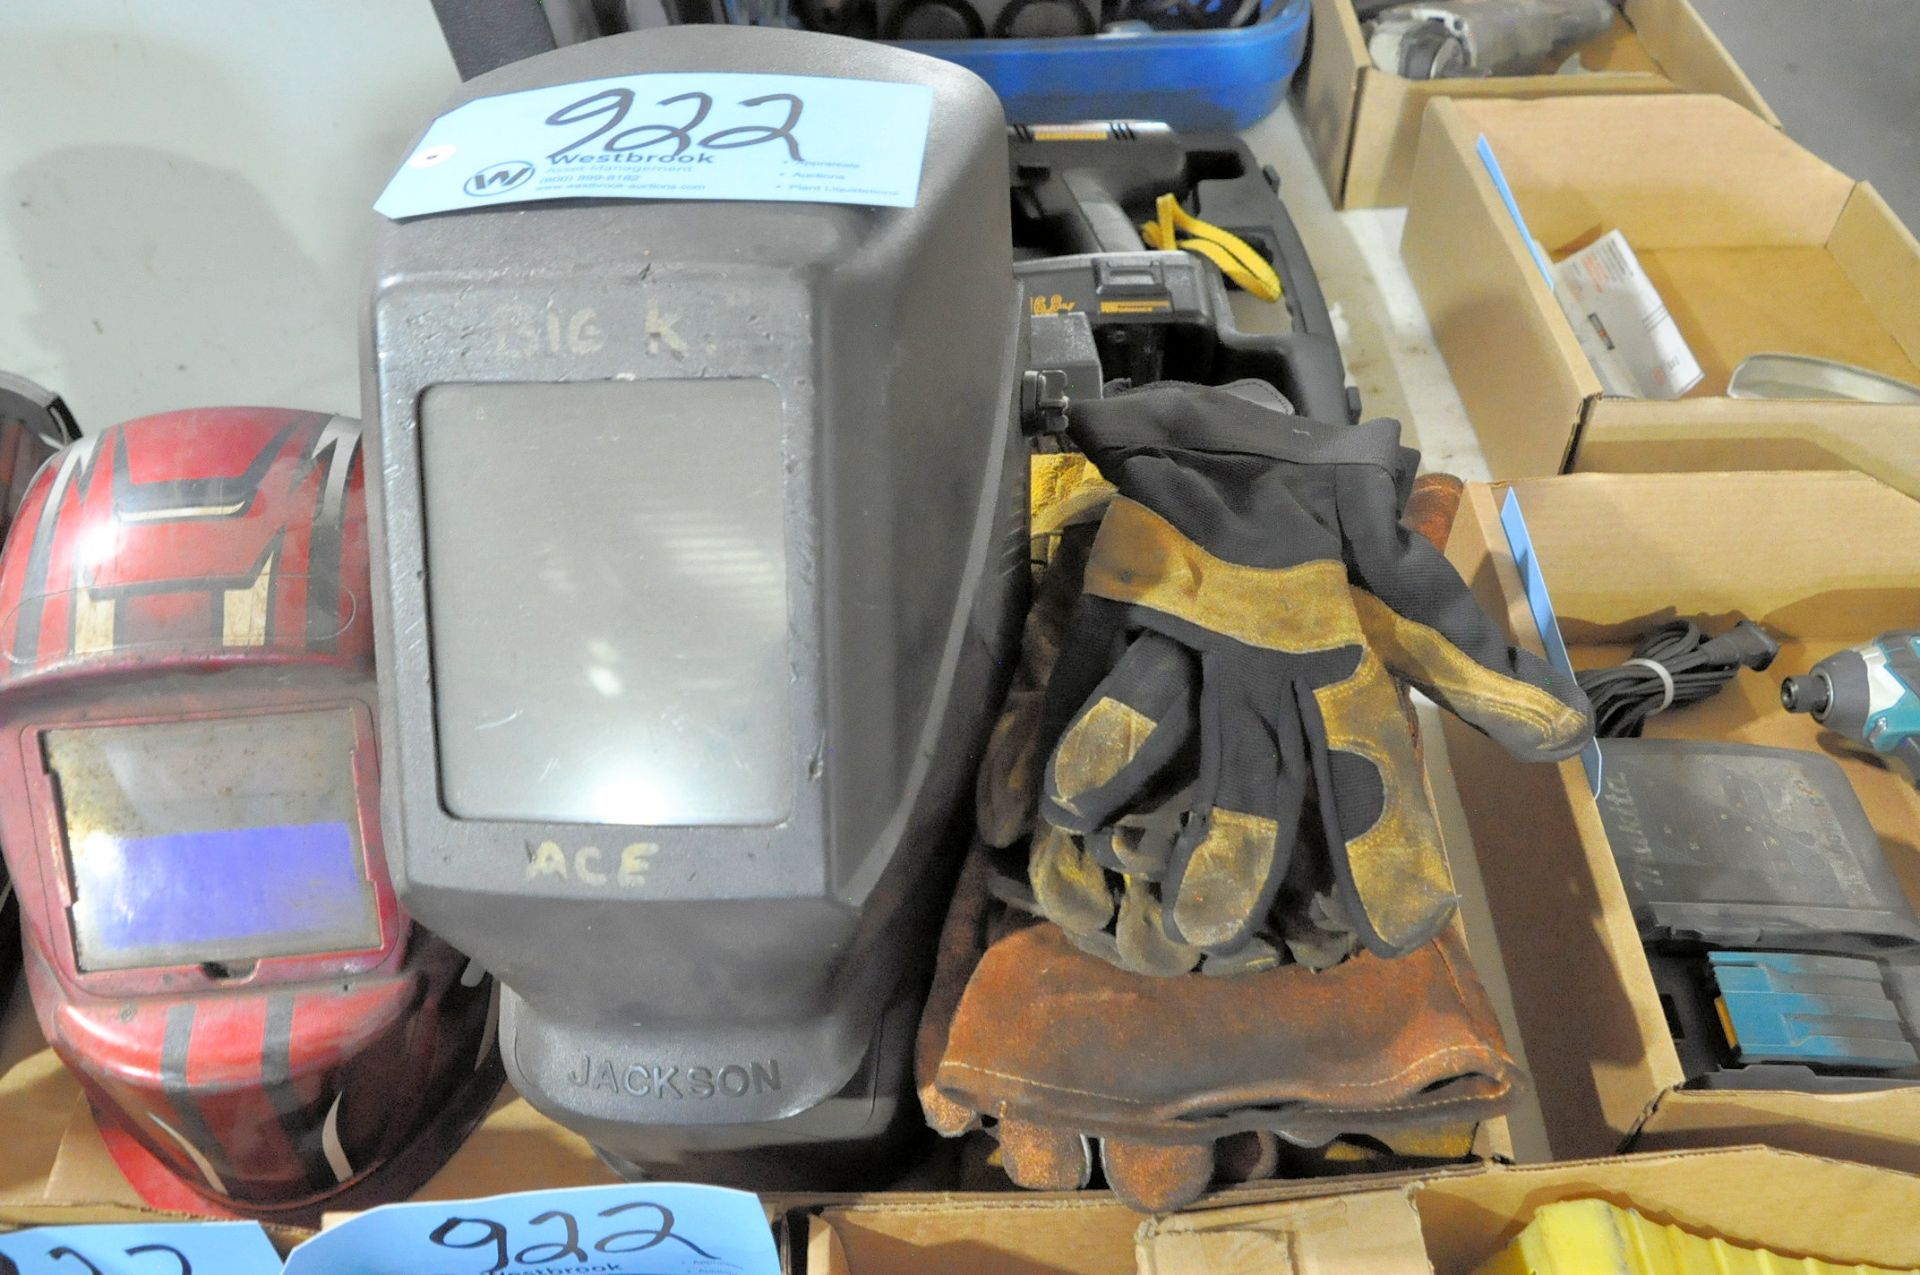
(1049, 1033)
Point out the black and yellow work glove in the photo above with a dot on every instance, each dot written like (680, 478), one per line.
(1248, 601)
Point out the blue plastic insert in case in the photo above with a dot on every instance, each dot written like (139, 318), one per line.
(1197, 81)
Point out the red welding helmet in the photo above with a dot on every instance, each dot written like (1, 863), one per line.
(34, 424)
(190, 808)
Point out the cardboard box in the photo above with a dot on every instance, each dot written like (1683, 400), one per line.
(1754, 243)
(1795, 1204)
(37, 1094)
(1822, 560)
(1364, 123)
(1094, 1235)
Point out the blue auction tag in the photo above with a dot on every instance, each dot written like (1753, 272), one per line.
(643, 1229)
(141, 1248)
(1534, 583)
(673, 135)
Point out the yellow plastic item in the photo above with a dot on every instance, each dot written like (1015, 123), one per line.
(1235, 257)
(1593, 1237)
(1447, 1142)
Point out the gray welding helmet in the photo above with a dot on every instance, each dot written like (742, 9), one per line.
(698, 568)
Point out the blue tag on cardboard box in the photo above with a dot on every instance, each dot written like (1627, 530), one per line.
(642, 1229)
(142, 1248)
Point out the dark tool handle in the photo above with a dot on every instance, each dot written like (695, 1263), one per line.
(1251, 205)
(1305, 302)
(1096, 222)
(484, 35)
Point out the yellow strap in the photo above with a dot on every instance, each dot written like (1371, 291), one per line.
(1235, 257)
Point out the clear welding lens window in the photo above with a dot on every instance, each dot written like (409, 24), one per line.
(224, 840)
(607, 591)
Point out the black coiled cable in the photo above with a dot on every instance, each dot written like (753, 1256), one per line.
(1624, 697)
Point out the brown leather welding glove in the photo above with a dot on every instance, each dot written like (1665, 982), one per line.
(1057, 1048)
(1153, 1177)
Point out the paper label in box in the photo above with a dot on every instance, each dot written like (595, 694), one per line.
(1622, 324)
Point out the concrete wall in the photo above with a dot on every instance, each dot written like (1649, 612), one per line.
(185, 191)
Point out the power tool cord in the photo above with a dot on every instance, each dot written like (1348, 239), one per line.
(1675, 664)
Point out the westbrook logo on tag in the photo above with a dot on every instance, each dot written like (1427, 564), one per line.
(498, 179)
(719, 135)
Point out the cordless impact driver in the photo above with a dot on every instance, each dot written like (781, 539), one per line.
(1869, 693)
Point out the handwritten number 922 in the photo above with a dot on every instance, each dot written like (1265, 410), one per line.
(611, 106)
(487, 1234)
(81, 1264)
